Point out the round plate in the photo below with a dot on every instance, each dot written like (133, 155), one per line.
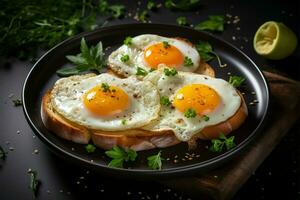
(178, 160)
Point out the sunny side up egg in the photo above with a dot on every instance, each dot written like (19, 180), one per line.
(106, 102)
(150, 52)
(192, 102)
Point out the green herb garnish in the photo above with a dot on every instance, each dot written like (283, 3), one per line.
(190, 113)
(124, 121)
(17, 102)
(187, 62)
(165, 101)
(125, 58)
(34, 183)
(206, 52)
(205, 118)
(151, 5)
(2, 153)
(89, 59)
(90, 148)
(166, 44)
(219, 144)
(214, 23)
(181, 5)
(155, 161)
(141, 72)
(128, 41)
(170, 72)
(181, 21)
(105, 87)
(120, 155)
(236, 81)
(115, 10)
(143, 16)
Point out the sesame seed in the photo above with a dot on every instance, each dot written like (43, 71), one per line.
(251, 103)
(253, 92)
(85, 187)
(18, 132)
(48, 191)
(78, 182)
(102, 190)
(228, 73)
(61, 191)
(233, 38)
(92, 160)
(81, 177)
(128, 193)
(176, 156)
(36, 151)
(255, 101)
(11, 148)
(73, 149)
(29, 170)
(175, 161)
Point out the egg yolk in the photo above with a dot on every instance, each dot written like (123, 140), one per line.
(199, 97)
(161, 53)
(106, 102)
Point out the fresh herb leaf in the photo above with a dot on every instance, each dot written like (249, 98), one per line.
(124, 121)
(206, 52)
(120, 155)
(141, 72)
(17, 102)
(170, 72)
(181, 21)
(128, 41)
(90, 148)
(88, 59)
(236, 81)
(219, 144)
(34, 183)
(125, 58)
(143, 16)
(205, 118)
(214, 23)
(155, 161)
(2, 153)
(117, 11)
(166, 44)
(190, 113)
(187, 62)
(181, 5)
(165, 101)
(151, 5)
(105, 87)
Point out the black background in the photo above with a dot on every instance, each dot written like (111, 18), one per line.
(277, 176)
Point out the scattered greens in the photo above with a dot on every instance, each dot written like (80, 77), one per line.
(223, 142)
(116, 10)
(181, 5)
(34, 183)
(128, 41)
(155, 161)
(89, 59)
(90, 148)
(181, 21)
(17, 102)
(120, 155)
(170, 72)
(141, 72)
(190, 113)
(236, 81)
(105, 87)
(187, 62)
(143, 16)
(125, 58)
(151, 5)
(165, 101)
(166, 44)
(2, 153)
(124, 121)
(206, 52)
(205, 118)
(214, 23)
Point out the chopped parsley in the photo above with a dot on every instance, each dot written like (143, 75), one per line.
(105, 87)
(181, 21)
(141, 72)
(190, 113)
(181, 5)
(17, 102)
(125, 58)
(165, 101)
(90, 148)
(223, 142)
(155, 161)
(236, 81)
(214, 23)
(143, 16)
(34, 183)
(128, 41)
(166, 44)
(151, 5)
(187, 62)
(124, 121)
(2, 153)
(206, 52)
(119, 156)
(205, 118)
(170, 72)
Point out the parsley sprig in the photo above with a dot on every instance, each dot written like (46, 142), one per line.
(119, 156)
(105, 87)
(155, 161)
(170, 72)
(90, 148)
(115, 10)
(190, 113)
(187, 62)
(128, 41)
(141, 72)
(218, 145)
(206, 52)
(181, 21)
(166, 44)
(214, 23)
(165, 101)
(125, 58)
(143, 16)
(88, 59)
(236, 81)
(181, 5)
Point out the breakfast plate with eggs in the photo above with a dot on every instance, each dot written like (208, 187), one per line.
(156, 100)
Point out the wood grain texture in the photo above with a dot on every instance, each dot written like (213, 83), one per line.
(223, 183)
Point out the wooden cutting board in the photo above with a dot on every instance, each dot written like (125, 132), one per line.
(223, 183)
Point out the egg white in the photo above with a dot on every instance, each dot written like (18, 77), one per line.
(67, 99)
(172, 119)
(136, 51)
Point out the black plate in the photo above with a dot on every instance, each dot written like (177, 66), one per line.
(177, 162)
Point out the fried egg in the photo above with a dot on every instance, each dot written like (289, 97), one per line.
(192, 102)
(150, 52)
(105, 102)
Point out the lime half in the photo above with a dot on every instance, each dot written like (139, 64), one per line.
(274, 40)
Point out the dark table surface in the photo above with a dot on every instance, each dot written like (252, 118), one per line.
(278, 175)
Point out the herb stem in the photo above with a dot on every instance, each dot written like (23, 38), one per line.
(219, 60)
